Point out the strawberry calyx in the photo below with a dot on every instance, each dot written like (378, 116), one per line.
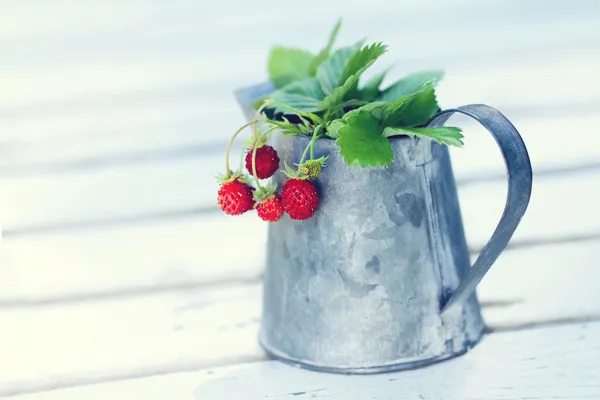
(265, 193)
(293, 173)
(233, 176)
(258, 141)
(312, 168)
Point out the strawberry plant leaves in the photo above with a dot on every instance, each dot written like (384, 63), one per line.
(378, 109)
(362, 143)
(411, 84)
(410, 110)
(325, 52)
(352, 103)
(297, 101)
(337, 97)
(413, 109)
(289, 65)
(329, 72)
(361, 60)
(339, 93)
(370, 89)
(443, 134)
(308, 87)
(334, 127)
(304, 95)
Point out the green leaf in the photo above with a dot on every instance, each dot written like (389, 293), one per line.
(411, 84)
(348, 103)
(361, 142)
(444, 134)
(324, 53)
(413, 109)
(378, 109)
(366, 57)
(289, 65)
(361, 60)
(334, 127)
(304, 95)
(297, 101)
(410, 110)
(330, 71)
(337, 97)
(370, 90)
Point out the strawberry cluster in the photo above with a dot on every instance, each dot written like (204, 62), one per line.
(298, 197)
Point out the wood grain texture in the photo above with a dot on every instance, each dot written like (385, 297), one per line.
(187, 250)
(93, 83)
(113, 119)
(79, 341)
(197, 113)
(548, 363)
(131, 260)
(150, 187)
(69, 344)
(152, 45)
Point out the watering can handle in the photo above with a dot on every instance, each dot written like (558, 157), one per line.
(520, 179)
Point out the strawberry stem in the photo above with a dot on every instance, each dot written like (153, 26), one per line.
(256, 116)
(311, 145)
(227, 170)
(265, 133)
(258, 187)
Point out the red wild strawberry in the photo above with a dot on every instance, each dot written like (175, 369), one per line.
(267, 162)
(235, 197)
(300, 198)
(271, 209)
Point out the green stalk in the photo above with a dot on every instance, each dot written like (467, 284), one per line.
(254, 174)
(227, 170)
(270, 130)
(256, 116)
(311, 145)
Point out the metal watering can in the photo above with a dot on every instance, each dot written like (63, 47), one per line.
(379, 279)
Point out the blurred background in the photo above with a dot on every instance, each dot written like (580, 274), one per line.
(114, 117)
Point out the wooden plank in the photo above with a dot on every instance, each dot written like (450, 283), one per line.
(559, 207)
(188, 183)
(46, 346)
(539, 285)
(557, 363)
(72, 342)
(131, 260)
(99, 18)
(170, 253)
(51, 108)
(148, 121)
(179, 28)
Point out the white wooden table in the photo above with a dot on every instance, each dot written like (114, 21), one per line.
(114, 282)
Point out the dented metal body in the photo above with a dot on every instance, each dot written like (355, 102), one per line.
(361, 286)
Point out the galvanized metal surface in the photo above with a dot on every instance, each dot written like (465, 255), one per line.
(360, 287)
(520, 181)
